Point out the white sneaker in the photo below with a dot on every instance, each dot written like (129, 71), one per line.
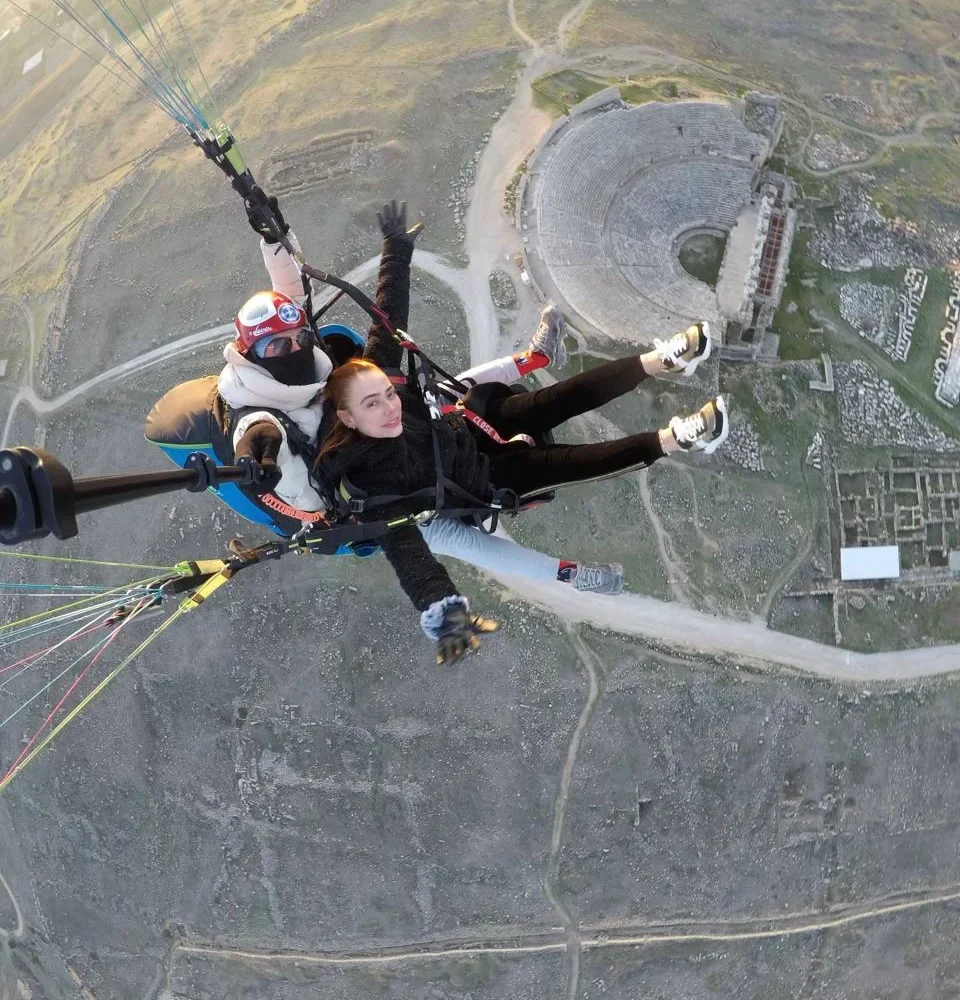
(598, 578)
(548, 339)
(704, 430)
(685, 350)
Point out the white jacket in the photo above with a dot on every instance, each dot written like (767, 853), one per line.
(243, 384)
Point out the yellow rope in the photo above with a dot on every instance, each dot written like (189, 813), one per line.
(198, 596)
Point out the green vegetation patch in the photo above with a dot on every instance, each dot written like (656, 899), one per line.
(557, 93)
(920, 183)
(701, 256)
(899, 619)
(802, 296)
(931, 319)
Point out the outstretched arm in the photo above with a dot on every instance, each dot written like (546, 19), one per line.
(444, 613)
(393, 283)
(282, 268)
(424, 580)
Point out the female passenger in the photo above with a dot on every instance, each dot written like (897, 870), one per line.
(383, 442)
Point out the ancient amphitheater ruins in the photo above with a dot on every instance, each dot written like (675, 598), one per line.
(611, 194)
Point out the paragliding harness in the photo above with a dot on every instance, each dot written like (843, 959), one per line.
(446, 498)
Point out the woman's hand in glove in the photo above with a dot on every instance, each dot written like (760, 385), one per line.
(393, 222)
(458, 633)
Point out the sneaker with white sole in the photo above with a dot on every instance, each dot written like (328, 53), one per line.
(598, 578)
(704, 430)
(548, 339)
(685, 350)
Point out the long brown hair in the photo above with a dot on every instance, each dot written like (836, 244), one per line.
(335, 393)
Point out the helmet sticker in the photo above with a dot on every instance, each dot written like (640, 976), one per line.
(289, 313)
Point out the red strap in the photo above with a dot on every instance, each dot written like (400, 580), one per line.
(484, 426)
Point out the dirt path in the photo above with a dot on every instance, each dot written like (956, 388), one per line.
(20, 927)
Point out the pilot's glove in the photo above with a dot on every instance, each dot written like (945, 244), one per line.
(256, 216)
(261, 442)
(458, 630)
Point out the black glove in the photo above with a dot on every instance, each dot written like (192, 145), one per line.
(459, 632)
(393, 222)
(261, 442)
(255, 216)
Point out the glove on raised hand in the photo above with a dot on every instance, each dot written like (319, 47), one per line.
(259, 225)
(458, 633)
(393, 222)
(261, 442)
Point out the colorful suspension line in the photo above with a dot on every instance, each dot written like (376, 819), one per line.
(197, 580)
(29, 751)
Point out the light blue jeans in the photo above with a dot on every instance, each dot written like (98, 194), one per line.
(447, 536)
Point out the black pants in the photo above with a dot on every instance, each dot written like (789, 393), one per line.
(528, 470)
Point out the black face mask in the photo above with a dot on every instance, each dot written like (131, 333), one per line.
(296, 368)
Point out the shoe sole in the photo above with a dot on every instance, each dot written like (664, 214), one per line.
(692, 364)
(610, 589)
(710, 448)
(559, 358)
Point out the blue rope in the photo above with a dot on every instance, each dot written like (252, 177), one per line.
(73, 588)
(178, 85)
(46, 624)
(154, 95)
(176, 99)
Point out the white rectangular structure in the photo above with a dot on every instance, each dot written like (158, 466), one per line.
(33, 62)
(871, 562)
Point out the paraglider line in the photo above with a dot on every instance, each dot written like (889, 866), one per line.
(77, 709)
(143, 90)
(104, 644)
(124, 589)
(177, 99)
(76, 634)
(58, 621)
(43, 652)
(87, 562)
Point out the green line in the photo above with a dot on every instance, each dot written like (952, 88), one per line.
(88, 562)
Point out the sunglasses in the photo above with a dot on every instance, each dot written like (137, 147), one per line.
(281, 344)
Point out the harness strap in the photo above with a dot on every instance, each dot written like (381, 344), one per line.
(485, 426)
(357, 502)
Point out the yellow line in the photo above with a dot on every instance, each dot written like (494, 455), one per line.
(77, 709)
(87, 562)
